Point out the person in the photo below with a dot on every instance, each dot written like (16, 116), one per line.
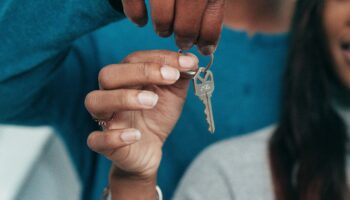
(305, 156)
(248, 67)
(50, 57)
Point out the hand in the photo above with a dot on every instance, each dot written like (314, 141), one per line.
(193, 21)
(146, 95)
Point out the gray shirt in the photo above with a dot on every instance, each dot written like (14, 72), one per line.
(232, 169)
(235, 169)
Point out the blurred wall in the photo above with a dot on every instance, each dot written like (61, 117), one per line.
(34, 165)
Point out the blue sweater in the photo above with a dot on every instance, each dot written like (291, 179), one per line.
(50, 55)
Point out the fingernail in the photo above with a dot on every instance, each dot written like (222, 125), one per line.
(187, 62)
(147, 98)
(207, 50)
(169, 73)
(130, 136)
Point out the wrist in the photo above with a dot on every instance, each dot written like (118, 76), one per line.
(125, 185)
(117, 174)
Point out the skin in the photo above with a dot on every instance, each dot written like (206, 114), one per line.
(200, 21)
(193, 22)
(136, 161)
(337, 27)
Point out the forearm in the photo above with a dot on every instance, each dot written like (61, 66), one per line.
(125, 186)
(35, 39)
(38, 30)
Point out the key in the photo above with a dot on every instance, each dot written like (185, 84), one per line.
(203, 83)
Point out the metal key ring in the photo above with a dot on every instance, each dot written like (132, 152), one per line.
(210, 63)
(194, 73)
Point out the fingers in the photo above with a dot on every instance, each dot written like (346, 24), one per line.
(195, 21)
(162, 12)
(101, 104)
(128, 75)
(211, 26)
(146, 68)
(119, 82)
(136, 11)
(111, 140)
(183, 62)
(188, 18)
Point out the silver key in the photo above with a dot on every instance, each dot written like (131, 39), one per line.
(203, 83)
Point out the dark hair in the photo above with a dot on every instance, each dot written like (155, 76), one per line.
(308, 149)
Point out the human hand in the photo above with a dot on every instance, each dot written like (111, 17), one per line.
(146, 94)
(193, 22)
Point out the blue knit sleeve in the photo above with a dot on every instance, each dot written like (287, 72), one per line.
(36, 43)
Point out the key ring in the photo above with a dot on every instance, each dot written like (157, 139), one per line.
(193, 73)
(210, 63)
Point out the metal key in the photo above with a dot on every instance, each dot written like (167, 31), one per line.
(203, 83)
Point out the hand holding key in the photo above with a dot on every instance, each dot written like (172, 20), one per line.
(193, 22)
(145, 95)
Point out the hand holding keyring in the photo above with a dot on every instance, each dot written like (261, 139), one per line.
(142, 99)
(193, 22)
(191, 74)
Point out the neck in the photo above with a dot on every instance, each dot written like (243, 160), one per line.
(269, 16)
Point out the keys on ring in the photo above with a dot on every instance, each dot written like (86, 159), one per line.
(203, 82)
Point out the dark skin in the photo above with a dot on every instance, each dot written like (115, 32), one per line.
(193, 22)
(136, 161)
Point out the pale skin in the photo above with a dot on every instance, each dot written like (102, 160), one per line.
(151, 77)
(134, 138)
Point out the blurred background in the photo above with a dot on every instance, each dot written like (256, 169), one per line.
(37, 167)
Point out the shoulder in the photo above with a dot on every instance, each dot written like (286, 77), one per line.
(250, 144)
(239, 157)
(233, 168)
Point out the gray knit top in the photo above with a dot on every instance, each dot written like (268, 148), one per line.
(235, 169)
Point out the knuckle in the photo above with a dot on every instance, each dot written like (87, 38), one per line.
(134, 9)
(123, 98)
(144, 70)
(216, 4)
(109, 140)
(160, 58)
(131, 57)
(214, 14)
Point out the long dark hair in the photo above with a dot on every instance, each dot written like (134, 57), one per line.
(308, 149)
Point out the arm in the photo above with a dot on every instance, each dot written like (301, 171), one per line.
(127, 186)
(206, 179)
(35, 38)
